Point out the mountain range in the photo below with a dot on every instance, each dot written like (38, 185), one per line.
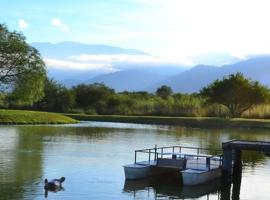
(121, 71)
(257, 68)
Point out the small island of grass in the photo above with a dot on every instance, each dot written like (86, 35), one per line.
(33, 117)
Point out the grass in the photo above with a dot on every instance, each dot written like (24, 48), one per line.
(195, 122)
(33, 117)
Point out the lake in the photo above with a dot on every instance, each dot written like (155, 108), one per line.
(91, 155)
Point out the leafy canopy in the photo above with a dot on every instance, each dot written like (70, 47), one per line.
(57, 97)
(22, 70)
(237, 93)
(91, 95)
(164, 91)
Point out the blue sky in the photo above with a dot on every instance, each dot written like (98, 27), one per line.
(173, 29)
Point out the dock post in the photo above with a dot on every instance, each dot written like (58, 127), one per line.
(208, 159)
(237, 167)
(237, 175)
(149, 156)
(155, 152)
(227, 162)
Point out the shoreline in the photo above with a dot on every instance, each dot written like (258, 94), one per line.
(26, 117)
(192, 122)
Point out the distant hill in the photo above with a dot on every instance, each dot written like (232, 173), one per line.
(146, 73)
(66, 49)
(135, 75)
(131, 80)
(257, 68)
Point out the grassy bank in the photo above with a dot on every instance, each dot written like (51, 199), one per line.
(196, 122)
(32, 117)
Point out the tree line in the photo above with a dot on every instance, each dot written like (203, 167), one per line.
(229, 97)
(24, 85)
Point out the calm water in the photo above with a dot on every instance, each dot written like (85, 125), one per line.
(91, 154)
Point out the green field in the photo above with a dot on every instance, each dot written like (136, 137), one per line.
(196, 122)
(32, 117)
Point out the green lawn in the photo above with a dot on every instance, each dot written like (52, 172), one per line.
(32, 117)
(196, 122)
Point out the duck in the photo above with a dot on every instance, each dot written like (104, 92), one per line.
(54, 184)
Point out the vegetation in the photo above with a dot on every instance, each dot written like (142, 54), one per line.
(237, 93)
(24, 85)
(99, 99)
(164, 92)
(32, 117)
(22, 71)
(56, 98)
(199, 122)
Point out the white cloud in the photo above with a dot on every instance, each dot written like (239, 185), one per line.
(59, 24)
(64, 64)
(111, 63)
(126, 58)
(190, 27)
(22, 24)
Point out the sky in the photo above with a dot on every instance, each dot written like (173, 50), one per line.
(176, 30)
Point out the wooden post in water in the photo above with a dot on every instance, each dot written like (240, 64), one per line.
(237, 167)
(208, 164)
(237, 175)
(227, 162)
(155, 152)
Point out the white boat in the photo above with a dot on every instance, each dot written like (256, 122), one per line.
(199, 176)
(136, 171)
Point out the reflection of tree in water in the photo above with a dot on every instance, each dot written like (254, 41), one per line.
(28, 154)
(27, 168)
(25, 174)
(212, 139)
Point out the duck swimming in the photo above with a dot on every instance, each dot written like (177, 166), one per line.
(55, 184)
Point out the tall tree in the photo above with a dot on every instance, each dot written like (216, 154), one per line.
(57, 97)
(21, 67)
(94, 95)
(164, 91)
(237, 93)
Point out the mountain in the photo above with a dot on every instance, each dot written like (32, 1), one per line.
(257, 68)
(72, 63)
(67, 49)
(131, 80)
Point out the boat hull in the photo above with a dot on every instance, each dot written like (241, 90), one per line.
(196, 176)
(135, 171)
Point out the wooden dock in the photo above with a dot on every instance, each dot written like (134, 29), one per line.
(232, 151)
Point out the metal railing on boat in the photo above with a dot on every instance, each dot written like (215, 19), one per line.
(153, 154)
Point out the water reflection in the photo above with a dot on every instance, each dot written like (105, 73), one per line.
(91, 156)
(170, 186)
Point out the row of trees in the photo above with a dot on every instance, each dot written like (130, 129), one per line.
(230, 96)
(24, 84)
(99, 99)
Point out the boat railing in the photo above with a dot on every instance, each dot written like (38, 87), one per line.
(151, 155)
(202, 161)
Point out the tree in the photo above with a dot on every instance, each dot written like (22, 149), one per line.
(237, 93)
(22, 70)
(57, 97)
(94, 95)
(164, 91)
